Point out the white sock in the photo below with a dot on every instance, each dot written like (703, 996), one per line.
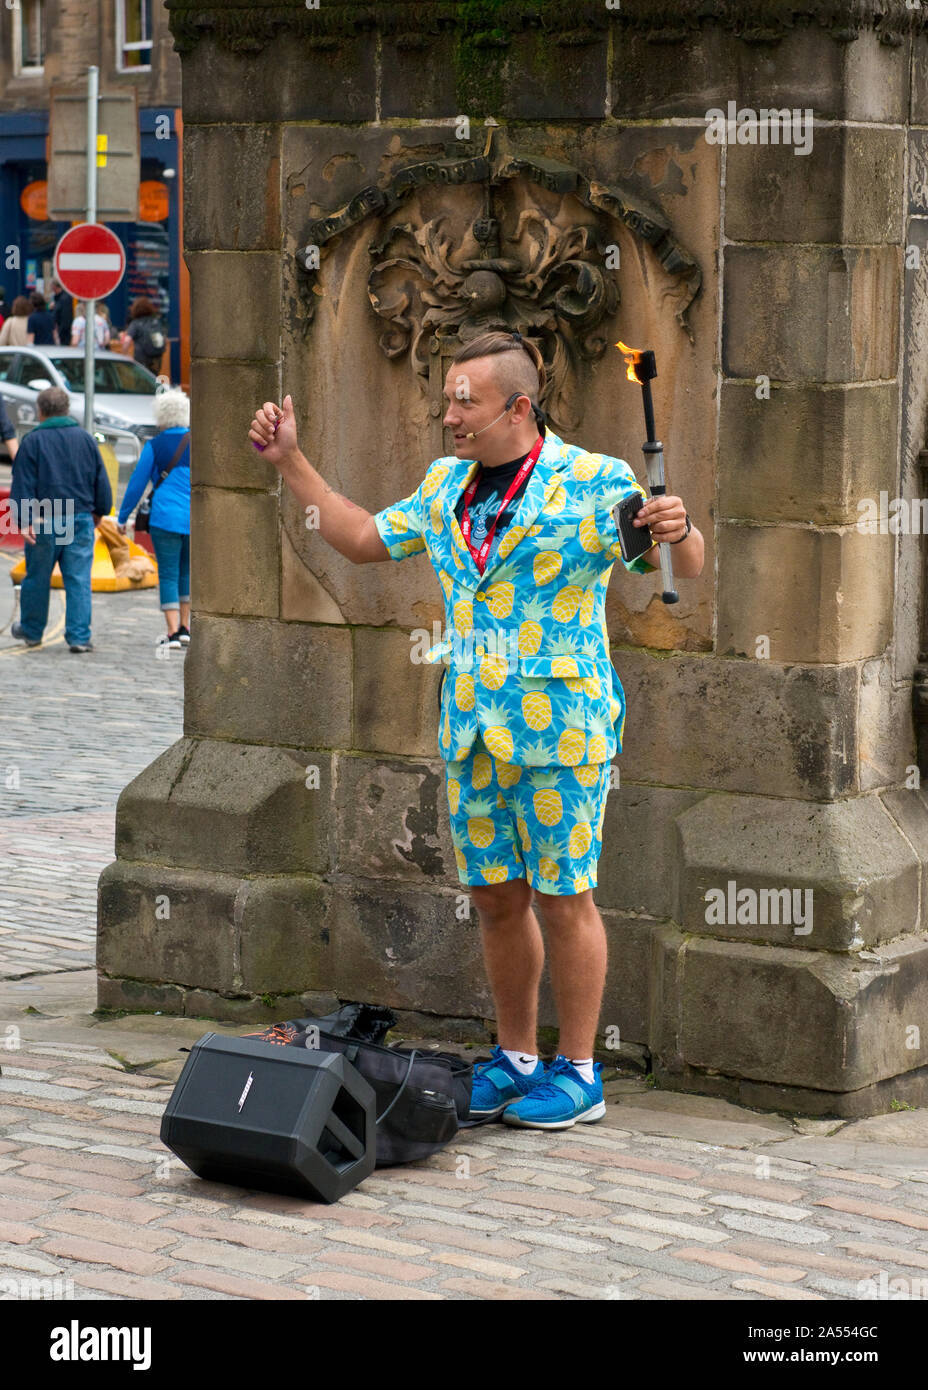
(522, 1061)
(584, 1066)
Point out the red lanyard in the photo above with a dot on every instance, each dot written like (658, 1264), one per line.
(480, 556)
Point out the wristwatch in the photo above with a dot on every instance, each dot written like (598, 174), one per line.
(689, 527)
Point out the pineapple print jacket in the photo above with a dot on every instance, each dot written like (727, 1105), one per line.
(526, 643)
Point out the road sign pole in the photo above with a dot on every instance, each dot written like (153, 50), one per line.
(90, 313)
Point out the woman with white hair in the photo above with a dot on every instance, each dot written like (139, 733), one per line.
(165, 464)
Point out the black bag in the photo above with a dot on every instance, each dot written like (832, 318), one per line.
(423, 1098)
(151, 340)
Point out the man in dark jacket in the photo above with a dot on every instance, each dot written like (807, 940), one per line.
(63, 313)
(58, 491)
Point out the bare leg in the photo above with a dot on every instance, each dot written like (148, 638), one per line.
(514, 954)
(171, 618)
(185, 615)
(577, 948)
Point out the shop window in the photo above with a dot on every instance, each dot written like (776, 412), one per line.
(133, 34)
(28, 36)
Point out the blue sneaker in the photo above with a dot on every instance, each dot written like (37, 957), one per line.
(497, 1083)
(562, 1100)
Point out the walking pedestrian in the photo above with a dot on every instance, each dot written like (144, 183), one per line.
(59, 489)
(165, 465)
(100, 327)
(41, 322)
(146, 332)
(532, 715)
(15, 330)
(62, 312)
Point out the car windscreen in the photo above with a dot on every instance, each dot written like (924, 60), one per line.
(118, 378)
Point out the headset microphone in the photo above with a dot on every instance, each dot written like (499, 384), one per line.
(512, 399)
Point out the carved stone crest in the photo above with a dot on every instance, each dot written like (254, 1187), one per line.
(536, 252)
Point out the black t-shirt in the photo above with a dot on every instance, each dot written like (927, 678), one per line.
(41, 323)
(492, 485)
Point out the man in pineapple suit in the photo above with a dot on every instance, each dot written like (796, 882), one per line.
(519, 527)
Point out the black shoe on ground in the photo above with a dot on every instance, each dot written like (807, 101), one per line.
(184, 634)
(17, 631)
(170, 639)
(80, 646)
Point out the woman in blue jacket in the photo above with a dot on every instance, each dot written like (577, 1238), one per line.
(169, 523)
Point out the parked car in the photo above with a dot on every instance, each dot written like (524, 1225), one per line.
(124, 391)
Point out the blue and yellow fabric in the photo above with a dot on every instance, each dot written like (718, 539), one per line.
(526, 643)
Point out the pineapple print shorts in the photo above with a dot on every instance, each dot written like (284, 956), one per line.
(540, 823)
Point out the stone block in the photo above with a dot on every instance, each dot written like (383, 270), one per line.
(231, 188)
(845, 190)
(138, 996)
(302, 597)
(816, 877)
(802, 1019)
(223, 399)
(819, 596)
(243, 525)
(909, 809)
(255, 680)
(298, 79)
(806, 454)
(536, 73)
(519, 75)
(217, 932)
(919, 110)
(710, 65)
(778, 300)
(638, 862)
(682, 725)
(391, 820)
(395, 697)
(240, 808)
(626, 997)
(235, 306)
(886, 728)
(286, 945)
(168, 926)
(395, 945)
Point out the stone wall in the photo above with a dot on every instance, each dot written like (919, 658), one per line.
(786, 765)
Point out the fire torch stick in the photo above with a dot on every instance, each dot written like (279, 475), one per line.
(642, 368)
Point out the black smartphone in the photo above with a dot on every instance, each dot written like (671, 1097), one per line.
(634, 540)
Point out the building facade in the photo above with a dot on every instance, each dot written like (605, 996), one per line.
(49, 44)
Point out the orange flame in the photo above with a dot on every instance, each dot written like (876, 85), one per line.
(632, 357)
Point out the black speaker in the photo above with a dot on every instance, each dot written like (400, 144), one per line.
(282, 1119)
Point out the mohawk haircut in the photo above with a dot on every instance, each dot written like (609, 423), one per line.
(517, 366)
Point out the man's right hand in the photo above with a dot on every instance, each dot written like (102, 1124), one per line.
(273, 430)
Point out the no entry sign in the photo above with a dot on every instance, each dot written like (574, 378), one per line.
(90, 261)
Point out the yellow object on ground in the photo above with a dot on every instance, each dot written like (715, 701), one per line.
(118, 563)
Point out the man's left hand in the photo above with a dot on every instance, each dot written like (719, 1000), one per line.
(28, 535)
(666, 517)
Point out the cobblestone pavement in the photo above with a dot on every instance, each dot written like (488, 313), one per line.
(74, 730)
(670, 1197)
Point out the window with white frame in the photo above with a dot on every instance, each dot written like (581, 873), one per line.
(28, 36)
(133, 34)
